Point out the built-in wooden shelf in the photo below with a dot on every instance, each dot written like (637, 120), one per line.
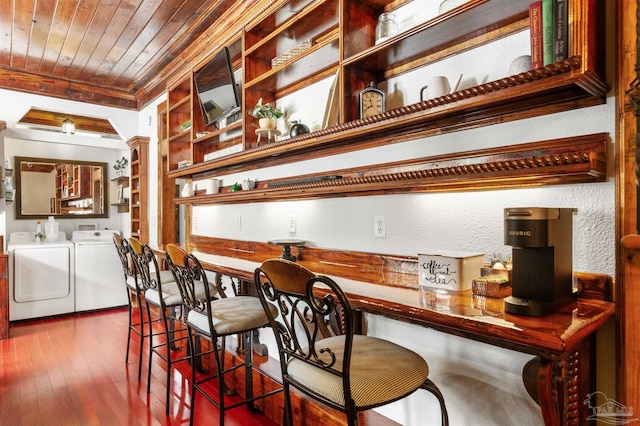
(560, 161)
(554, 88)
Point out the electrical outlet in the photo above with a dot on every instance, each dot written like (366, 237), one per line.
(292, 224)
(379, 230)
(239, 223)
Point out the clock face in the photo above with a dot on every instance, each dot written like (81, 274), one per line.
(371, 103)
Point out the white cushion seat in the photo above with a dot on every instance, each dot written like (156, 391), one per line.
(131, 282)
(231, 315)
(166, 276)
(381, 371)
(171, 293)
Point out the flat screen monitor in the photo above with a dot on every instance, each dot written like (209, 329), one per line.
(216, 88)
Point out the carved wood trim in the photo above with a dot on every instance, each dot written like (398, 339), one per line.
(546, 384)
(479, 90)
(560, 161)
(508, 98)
(572, 387)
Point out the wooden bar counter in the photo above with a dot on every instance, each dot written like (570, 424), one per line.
(558, 378)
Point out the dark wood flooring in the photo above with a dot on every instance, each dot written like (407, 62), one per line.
(70, 370)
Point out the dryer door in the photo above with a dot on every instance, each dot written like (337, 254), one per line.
(41, 273)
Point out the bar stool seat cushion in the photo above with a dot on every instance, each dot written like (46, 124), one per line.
(171, 293)
(231, 315)
(131, 282)
(166, 276)
(381, 371)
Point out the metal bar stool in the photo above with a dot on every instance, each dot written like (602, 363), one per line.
(160, 292)
(322, 357)
(214, 320)
(133, 297)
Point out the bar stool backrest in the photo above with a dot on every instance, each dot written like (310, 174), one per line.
(124, 253)
(191, 278)
(311, 308)
(146, 266)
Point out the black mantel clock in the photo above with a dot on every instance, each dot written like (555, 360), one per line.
(372, 101)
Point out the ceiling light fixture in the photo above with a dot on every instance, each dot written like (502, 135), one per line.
(68, 126)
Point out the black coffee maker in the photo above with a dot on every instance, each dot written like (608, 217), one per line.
(542, 276)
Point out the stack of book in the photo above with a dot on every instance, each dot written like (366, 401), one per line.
(548, 21)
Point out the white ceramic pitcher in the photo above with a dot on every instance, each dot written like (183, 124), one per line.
(439, 86)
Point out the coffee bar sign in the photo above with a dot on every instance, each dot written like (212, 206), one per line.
(449, 270)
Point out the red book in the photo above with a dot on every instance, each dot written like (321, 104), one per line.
(535, 29)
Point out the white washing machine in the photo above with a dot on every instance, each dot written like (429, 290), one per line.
(98, 271)
(41, 276)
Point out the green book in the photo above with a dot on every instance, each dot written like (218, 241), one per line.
(548, 24)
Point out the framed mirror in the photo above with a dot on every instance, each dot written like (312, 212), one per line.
(61, 188)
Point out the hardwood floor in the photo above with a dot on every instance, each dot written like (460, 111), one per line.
(71, 370)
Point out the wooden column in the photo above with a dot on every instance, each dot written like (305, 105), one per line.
(628, 277)
(139, 202)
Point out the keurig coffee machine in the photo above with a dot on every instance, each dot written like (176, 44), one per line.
(542, 276)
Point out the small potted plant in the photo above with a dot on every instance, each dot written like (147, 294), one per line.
(121, 166)
(267, 114)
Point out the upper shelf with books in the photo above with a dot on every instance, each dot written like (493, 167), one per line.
(572, 83)
(463, 23)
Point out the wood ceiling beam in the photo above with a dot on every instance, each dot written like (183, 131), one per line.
(60, 88)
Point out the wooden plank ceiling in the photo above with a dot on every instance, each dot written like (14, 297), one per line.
(110, 52)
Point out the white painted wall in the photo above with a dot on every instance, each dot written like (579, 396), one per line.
(38, 143)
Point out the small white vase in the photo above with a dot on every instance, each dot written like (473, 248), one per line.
(187, 190)
(267, 123)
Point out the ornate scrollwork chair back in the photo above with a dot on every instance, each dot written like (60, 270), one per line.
(192, 280)
(215, 319)
(308, 306)
(134, 299)
(161, 292)
(124, 253)
(321, 355)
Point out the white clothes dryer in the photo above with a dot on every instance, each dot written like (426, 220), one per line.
(41, 276)
(99, 279)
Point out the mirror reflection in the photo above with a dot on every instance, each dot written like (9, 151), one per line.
(61, 188)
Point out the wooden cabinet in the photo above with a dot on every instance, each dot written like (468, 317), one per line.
(178, 123)
(74, 181)
(307, 43)
(189, 141)
(74, 189)
(338, 38)
(139, 187)
(168, 229)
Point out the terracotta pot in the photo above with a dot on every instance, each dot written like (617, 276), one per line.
(267, 123)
